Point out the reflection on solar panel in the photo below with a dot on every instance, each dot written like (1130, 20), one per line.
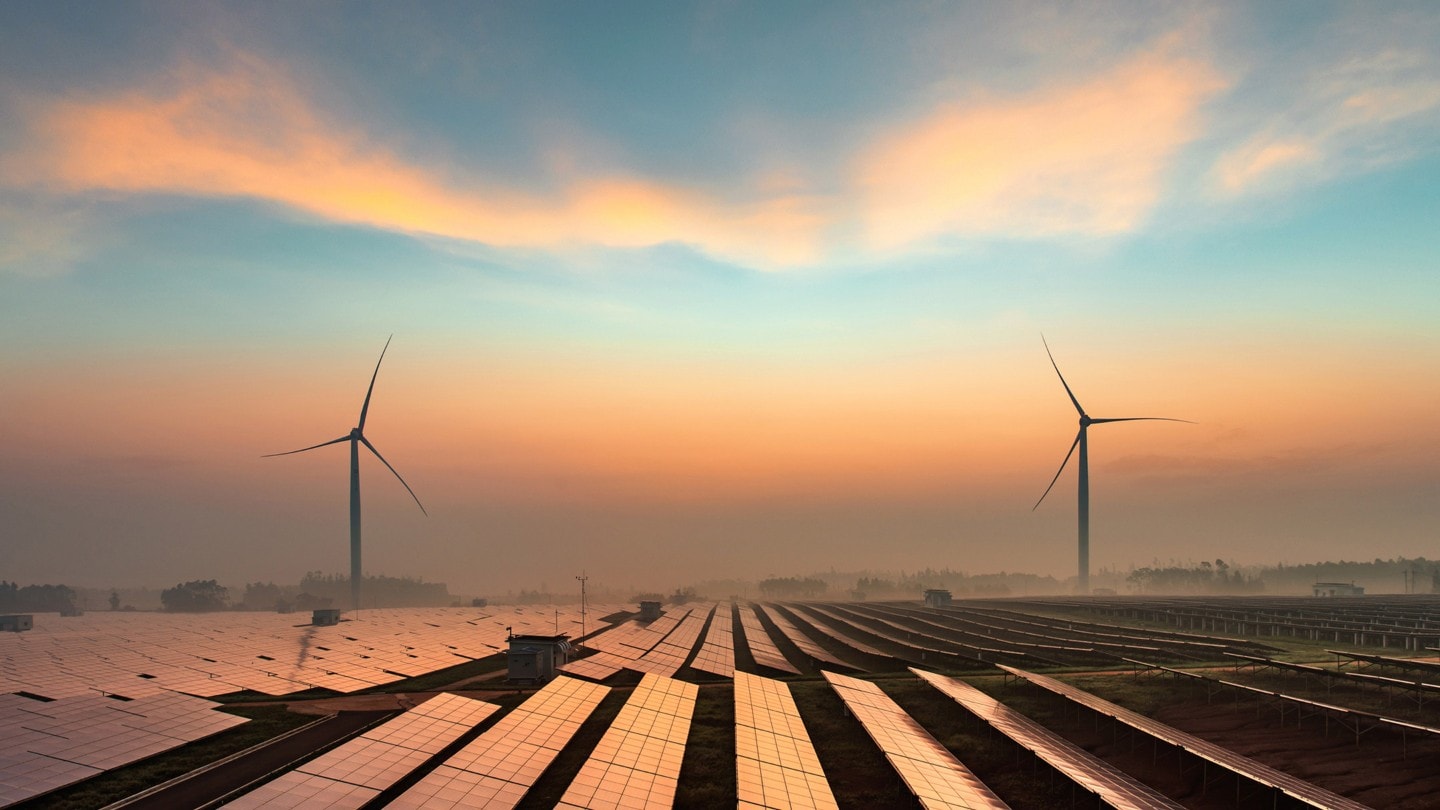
(932, 773)
(1112, 786)
(659, 647)
(1259, 773)
(354, 773)
(138, 654)
(775, 764)
(762, 647)
(499, 766)
(799, 639)
(48, 745)
(717, 654)
(887, 630)
(637, 763)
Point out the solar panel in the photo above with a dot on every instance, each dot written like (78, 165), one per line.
(775, 762)
(499, 766)
(637, 762)
(804, 642)
(928, 768)
(352, 774)
(717, 653)
(660, 647)
(48, 745)
(1260, 773)
(850, 639)
(1112, 786)
(762, 647)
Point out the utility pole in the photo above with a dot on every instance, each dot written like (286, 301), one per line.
(582, 579)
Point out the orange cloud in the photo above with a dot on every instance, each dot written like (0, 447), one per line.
(1243, 167)
(1084, 158)
(249, 131)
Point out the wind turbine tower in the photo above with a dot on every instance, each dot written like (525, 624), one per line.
(1086, 420)
(356, 437)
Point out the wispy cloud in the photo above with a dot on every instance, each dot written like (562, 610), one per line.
(1087, 157)
(248, 129)
(40, 240)
(1374, 101)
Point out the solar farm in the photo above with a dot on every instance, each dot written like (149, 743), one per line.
(1120, 702)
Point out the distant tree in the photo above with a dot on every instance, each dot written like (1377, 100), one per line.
(793, 587)
(196, 596)
(262, 596)
(309, 601)
(114, 600)
(37, 598)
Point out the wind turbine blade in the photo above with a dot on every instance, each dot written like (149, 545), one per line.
(1068, 392)
(367, 443)
(1061, 470)
(1143, 419)
(366, 407)
(311, 447)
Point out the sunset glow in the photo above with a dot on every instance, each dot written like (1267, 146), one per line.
(715, 291)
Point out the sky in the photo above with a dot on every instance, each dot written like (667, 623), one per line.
(685, 291)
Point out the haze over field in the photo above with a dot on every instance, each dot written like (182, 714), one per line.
(709, 290)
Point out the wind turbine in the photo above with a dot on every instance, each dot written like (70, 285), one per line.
(356, 437)
(1086, 420)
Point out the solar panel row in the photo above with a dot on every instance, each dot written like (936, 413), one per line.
(1257, 772)
(637, 762)
(51, 744)
(799, 639)
(980, 646)
(498, 767)
(931, 772)
(717, 653)
(775, 762)
(660, 647)
(919, 644)
(135, 654)
(1109, 784)
(354, 773)
(762, 647)
(618, 648)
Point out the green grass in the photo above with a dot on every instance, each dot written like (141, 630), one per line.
(859, 774)
(707, 774)
(556, 779)
(1014, 775)
(266, 722)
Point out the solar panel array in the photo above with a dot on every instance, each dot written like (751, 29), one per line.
(717, 653)
(659, 647)
(51, 744)
(775, 762)
(851, 629)
(804, 642)
(354, 773)
(762, 647)
(498, 767)
(1257, 772)
(637, 762)
(931, 772)
(135, 654)
(1112, 786)
(1406, 621)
